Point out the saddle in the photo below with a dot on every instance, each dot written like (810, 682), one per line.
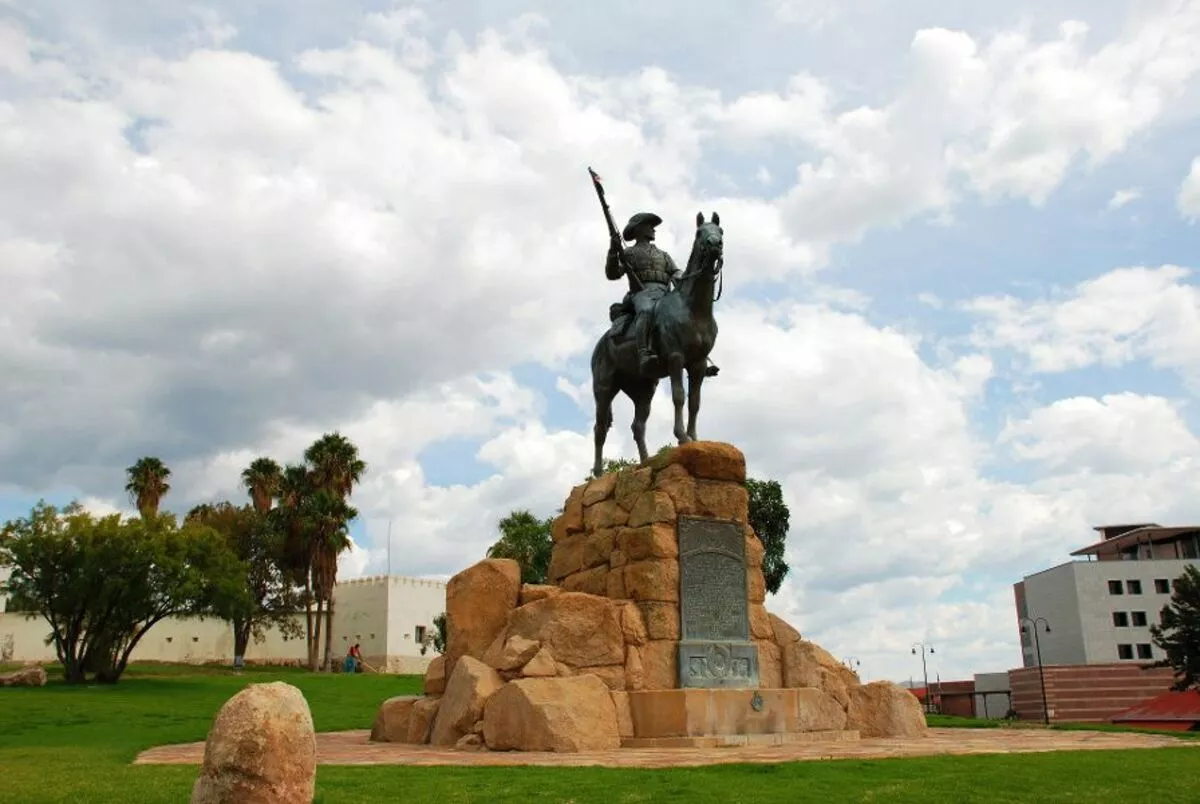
(621, 316)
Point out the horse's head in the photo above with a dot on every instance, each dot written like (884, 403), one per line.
(709, 246)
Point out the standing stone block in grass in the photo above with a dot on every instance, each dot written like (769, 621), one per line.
(32, 676)
(261, 749)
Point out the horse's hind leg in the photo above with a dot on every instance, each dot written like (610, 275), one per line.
(675, 371)
(696, 375)
(604, 394)
(642, 396)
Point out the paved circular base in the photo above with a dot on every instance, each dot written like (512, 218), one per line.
(354, 748)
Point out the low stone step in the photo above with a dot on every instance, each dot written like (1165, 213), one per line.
(714, 712)
(741, 740)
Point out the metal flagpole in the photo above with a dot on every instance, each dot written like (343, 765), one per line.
(389, 548)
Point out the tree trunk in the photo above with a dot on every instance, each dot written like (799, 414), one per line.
(308, 618)
(241, 640)
(329, 634)
(314, 649)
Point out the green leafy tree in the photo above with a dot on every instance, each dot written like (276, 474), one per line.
(271, 599)
(146, 482)
(525, 539)
(1178, 632)
(769, 516)
(102, 582)
(440, 632)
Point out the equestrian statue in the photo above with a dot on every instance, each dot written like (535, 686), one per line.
(663, 327)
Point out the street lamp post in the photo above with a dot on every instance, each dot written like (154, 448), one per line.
(1037, 646)
(924, 669)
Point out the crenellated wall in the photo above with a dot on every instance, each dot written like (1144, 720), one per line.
(382, 613)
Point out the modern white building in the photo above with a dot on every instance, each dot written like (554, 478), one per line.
(1100, 609)
(388, 616)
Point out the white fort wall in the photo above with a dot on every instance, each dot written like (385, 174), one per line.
(381, 613)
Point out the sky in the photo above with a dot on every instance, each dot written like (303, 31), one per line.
(960, 321)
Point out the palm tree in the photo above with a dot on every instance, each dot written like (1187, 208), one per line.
(147, 485)
(327, 516)
(295, 488)
(262, 479)
(335, 465)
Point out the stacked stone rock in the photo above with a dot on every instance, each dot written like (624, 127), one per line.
(552, 667)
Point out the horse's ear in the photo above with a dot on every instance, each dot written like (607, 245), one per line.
(699, 218)
(716, 219)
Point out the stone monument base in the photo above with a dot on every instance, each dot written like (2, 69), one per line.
(652, 631)
(713, 717)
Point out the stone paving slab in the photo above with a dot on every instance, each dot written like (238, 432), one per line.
(354, 748)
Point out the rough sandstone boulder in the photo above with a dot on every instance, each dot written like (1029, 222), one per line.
(435, 677)
(552, 714)
(510, 653)
(709, 460)
(33, 676)
(542, 665)
(420, 720)
(579, 630)
(884, 709)
(261, 750)
(533, 591)
(819, 711)
(807, 664)
(478, 601)
(468, 689)
(392, 719)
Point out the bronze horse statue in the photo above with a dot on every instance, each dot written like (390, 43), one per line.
(683, 334)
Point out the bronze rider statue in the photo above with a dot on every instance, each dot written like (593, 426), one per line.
(653, 270)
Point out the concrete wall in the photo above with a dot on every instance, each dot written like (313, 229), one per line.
(412, 605)
(1076, 600)
(1052, 594)
(1086, 692)
(1097, 604)
(995, 703)
(380, 613)
(190, 640)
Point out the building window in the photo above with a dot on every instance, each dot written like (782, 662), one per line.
(1162, 586)
(1114, 588)
(419, 633)
(1134, 587)
(1124, 651)
(1139, 619)
(1144, 652)
(1120, 619)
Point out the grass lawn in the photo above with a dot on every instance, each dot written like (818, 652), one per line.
(67, 744)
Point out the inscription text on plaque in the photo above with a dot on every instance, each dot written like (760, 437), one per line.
(715, 649)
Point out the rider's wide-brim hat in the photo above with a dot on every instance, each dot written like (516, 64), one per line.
(640, 219)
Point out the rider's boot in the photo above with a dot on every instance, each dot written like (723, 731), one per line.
(647, 360)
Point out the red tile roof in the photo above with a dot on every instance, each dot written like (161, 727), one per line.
(1168, 706)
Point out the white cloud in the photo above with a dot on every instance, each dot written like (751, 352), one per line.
(1116, 434)
(1188, 198)
(1123, 197)
(1121, 316)
(210, 255)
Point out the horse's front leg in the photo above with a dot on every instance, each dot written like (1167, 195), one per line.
(695, 380)
(675, 371)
